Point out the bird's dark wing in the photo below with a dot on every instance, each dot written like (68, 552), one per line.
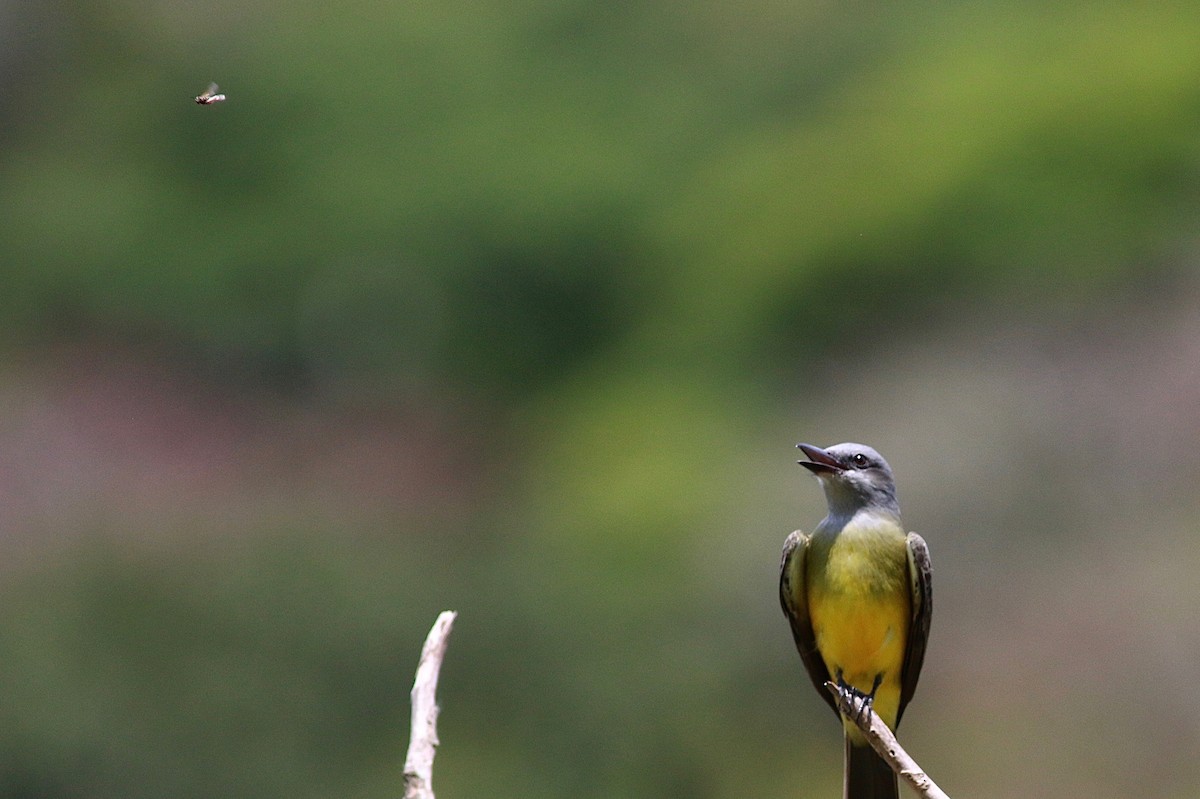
(920, 581)
(793, 595)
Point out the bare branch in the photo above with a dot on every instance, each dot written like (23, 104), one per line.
(423, 740)
(884, 742)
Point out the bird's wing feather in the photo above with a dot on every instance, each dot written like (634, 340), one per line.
(793, 596)
(920, 577)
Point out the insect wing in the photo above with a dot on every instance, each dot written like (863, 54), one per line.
(209, 95)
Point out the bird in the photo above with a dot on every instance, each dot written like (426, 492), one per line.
(858, 595)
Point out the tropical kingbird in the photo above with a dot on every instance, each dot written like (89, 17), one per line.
(857, 594)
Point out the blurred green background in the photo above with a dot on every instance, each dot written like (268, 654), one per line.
(518, 308)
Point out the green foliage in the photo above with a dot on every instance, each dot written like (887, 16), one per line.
(522, 185)
(270, 673)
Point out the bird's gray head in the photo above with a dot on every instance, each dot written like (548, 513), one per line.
(854, 477)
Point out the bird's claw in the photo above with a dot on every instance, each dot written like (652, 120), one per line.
(858, 701)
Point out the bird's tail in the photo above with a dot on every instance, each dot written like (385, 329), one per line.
(867, 775)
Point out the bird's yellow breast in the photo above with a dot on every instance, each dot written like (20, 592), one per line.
(859, 605)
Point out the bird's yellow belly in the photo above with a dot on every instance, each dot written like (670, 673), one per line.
(861, 639)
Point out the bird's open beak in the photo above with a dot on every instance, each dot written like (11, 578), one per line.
(819, 461)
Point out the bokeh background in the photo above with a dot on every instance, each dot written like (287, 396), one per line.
(518, 308)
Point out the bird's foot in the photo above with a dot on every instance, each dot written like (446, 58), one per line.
(858, 701)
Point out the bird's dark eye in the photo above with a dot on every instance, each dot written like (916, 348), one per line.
(861, 461)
